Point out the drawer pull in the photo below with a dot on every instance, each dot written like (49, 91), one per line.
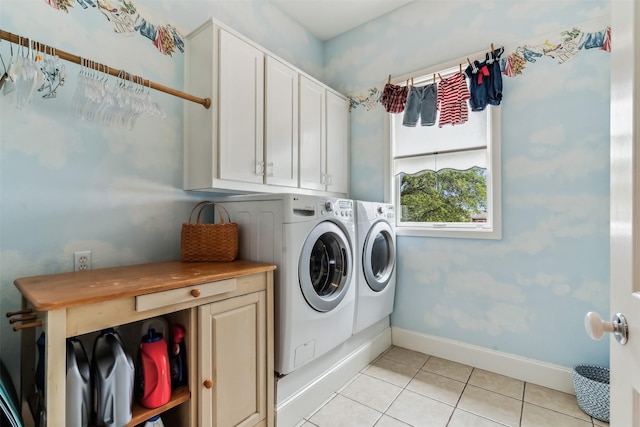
(195, 293)
(207, 383)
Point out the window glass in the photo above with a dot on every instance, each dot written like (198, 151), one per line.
(380, 256)
(448, 195)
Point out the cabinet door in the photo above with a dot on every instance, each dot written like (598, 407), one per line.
(281, 123)
(337, 143)
(312, 135)
(233, 356)
(241, 110)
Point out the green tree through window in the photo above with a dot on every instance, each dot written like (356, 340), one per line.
(444, 196)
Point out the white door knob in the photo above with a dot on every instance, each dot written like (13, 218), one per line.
(596, 327)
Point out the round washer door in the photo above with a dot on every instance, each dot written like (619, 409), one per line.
(324, 270)
(378, 256)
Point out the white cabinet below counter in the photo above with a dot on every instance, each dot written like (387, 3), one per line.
(262, 132)
(232, 341)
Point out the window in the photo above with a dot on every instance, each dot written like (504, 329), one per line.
(446, 181)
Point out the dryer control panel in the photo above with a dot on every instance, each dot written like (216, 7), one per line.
(385, 211)
(340, 208)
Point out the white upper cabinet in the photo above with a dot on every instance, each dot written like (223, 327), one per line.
(281, 123)
(337, 143)
(241, 110)
(270, 128)
(200, 124)
(313, 146)
(324, 139)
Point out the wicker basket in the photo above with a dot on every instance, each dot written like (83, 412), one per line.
(209, 242)
(592, 390)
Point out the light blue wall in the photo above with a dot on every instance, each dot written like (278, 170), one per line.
(67, 185)
(527, 293)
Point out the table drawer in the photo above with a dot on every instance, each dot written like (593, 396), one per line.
(190, 293)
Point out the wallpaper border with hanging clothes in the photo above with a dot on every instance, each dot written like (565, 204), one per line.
(125, 19)
(485, 78)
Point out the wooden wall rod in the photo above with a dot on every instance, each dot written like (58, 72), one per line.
(24, 41)
(23, 318)
(27, 325)
(23, 311)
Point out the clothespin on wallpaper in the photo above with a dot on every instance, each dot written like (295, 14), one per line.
(389, 79)
(492, 56)
(411, 81)
(434, 78)
(440, 77)
(469, 62)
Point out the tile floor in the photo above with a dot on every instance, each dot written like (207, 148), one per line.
(405, 388)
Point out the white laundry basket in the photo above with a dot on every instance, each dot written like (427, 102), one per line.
(591, 384)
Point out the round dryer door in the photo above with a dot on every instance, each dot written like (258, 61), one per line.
(378, 256)
(325, 266)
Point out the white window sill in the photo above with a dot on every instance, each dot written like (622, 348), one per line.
(450, 232)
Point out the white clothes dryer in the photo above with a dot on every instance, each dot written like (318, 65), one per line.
(311, 241)
(375, 263)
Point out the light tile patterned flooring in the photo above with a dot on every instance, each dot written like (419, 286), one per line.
(404, 388)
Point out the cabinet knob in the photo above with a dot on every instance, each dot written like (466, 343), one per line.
(207, 383)
(195, 293)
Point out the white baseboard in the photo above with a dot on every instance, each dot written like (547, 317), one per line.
(541, 373)
(292, 410)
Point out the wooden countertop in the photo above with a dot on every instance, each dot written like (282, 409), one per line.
(63, 290)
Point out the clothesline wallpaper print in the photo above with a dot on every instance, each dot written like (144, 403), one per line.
(369, 100)
(126, 20)
(511, 65)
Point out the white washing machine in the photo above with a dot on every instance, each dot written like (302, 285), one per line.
(375, 263)
(311, 240)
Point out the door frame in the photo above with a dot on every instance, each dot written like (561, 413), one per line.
(625, 211)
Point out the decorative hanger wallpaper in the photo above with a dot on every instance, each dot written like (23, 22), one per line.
(563, 49)
(125, 19)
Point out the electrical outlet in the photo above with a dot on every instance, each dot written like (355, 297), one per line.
(82, 261)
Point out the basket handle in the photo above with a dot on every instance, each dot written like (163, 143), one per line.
(217, 208)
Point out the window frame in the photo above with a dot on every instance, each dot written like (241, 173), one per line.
(494, 199)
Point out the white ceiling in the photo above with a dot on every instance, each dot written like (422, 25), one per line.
(328, 18)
